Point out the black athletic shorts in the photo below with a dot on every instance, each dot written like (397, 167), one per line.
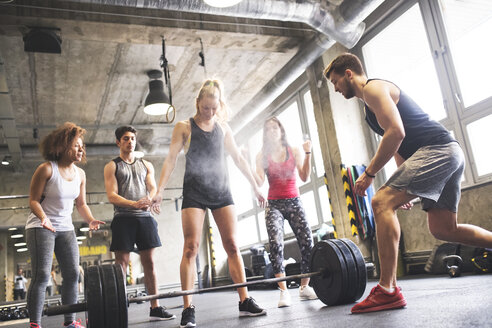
(130, 230)
(188, 202)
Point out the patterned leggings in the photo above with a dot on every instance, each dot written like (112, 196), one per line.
(291, 209)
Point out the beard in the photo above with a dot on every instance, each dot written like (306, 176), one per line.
(349, 91)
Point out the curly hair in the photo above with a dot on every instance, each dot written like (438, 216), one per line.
(55, 144)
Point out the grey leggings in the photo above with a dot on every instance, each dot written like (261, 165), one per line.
(291, 210)
(42, 243)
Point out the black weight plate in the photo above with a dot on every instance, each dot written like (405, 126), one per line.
(353, 275)
(110, 290)
(122, 300)
(328, 286)
(360, 264)
(345, 276)
(94, 298)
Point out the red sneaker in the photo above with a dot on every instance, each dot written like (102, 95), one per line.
(379, 300)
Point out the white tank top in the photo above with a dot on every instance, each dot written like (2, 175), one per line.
(57, 201)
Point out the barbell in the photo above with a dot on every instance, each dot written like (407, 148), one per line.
(338, 272)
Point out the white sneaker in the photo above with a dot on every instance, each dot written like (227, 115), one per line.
(307, 293)
(284, 298)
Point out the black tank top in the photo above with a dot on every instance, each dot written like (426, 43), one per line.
(206, 180)
(420, 130)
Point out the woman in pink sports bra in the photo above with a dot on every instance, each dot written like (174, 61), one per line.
(279, 162)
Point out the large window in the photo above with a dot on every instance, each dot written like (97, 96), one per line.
(297, 117)
(400, 53)
(437, 52)
(468, 26)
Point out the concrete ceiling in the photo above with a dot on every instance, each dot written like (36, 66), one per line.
(99, 80)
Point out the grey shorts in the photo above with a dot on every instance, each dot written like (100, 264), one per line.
(434, 174)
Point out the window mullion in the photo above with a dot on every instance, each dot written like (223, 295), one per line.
(436, 33)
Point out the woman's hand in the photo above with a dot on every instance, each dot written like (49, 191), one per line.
(306, 146)
(94, 224)
(155, 207)
(262, 201)
(46, 224)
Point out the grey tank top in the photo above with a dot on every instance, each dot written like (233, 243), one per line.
(131, 184)
(206, 179)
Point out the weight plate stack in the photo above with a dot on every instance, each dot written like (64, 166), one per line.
(111, 300)
(94, 298)
(349, 295)
(361, 268)
(329, 286)
(122, 299)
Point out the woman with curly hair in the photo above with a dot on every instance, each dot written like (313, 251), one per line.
(54, 186)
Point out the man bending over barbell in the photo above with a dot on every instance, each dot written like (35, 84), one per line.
(430, 166)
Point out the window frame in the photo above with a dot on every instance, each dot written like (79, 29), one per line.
(314, 182)
(457, 115)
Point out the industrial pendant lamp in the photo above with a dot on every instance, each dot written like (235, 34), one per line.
(222, 3)
(157, 102)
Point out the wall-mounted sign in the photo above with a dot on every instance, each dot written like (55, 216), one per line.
(93, 250)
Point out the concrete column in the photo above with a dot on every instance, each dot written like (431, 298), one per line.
(342, 138)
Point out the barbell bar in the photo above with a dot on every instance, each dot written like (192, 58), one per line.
(81, 307)
(339, 276)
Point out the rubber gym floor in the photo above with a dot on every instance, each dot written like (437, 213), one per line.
(433, 301)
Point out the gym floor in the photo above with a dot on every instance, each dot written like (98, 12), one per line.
(433, 301)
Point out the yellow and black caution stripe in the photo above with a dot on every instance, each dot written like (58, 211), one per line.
(130, 274)
(331, 209)
(349, 200)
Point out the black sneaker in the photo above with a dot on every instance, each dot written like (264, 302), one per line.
(160, 313)
(188, 317)
(249, 308)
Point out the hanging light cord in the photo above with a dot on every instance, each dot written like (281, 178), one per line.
(202, 56)
(165, 69)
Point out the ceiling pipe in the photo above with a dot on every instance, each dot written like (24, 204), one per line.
(307, 54)
(337, 22)
(354, 10)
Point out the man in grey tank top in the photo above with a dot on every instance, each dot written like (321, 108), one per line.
(430, 166)
(130, 186)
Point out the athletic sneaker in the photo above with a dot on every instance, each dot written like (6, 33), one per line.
(284, 298)
(75, 324)
(34, 325)
(379, 300)
(160, 313)
(249, 308)
(188, 317)
(307, 293)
